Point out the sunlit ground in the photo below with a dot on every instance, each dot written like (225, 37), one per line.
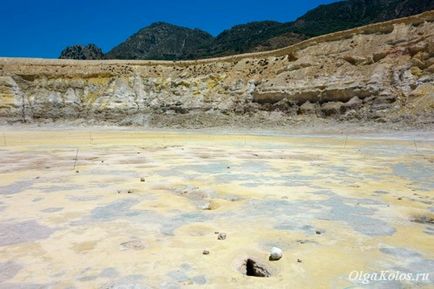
(130, 209)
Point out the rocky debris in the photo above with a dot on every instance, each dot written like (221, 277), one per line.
(251, 268)
(353, 103)
(221, 236)
(205, 252)
(299, 261)
(275, 254)
(142, 180)
(355, 60)
(332, 108)
(307, 108)
(377, 56)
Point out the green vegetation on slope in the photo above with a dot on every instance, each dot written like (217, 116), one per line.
(162, 41)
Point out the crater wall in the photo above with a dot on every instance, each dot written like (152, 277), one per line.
(382, 72)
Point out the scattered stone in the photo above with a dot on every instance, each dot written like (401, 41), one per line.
(318, 232)
(399, 199)
(221, 236)
(205, 252)
(142, 180)
(299, 261)
(130, 192)
(275, 254)
(77, 172)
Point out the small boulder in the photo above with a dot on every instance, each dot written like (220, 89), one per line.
(221, 236)
(378, 56)
(353, 103)
(307, 108)
(332, 108)
(275, 254)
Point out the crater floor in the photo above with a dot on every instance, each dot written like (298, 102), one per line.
(88, 208)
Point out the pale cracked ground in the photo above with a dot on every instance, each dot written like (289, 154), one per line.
(336, 204)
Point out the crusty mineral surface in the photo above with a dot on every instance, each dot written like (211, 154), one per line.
(382, 72)
(341, 210)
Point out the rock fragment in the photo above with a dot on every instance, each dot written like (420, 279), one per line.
(275, 254)
(221, 236)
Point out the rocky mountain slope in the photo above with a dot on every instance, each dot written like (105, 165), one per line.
(381, 72)
(162, 41)
(90, 51)
(170, 42)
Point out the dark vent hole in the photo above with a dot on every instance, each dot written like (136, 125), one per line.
(255, 270)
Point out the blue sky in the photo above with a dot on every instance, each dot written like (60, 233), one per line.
(42, 28)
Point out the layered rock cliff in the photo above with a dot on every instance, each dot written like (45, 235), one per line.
(382, 72)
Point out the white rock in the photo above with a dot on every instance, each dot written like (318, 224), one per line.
(275, 254)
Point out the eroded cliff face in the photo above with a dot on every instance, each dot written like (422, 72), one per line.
(383, 71)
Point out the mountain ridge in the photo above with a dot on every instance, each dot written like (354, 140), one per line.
(165, 41)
